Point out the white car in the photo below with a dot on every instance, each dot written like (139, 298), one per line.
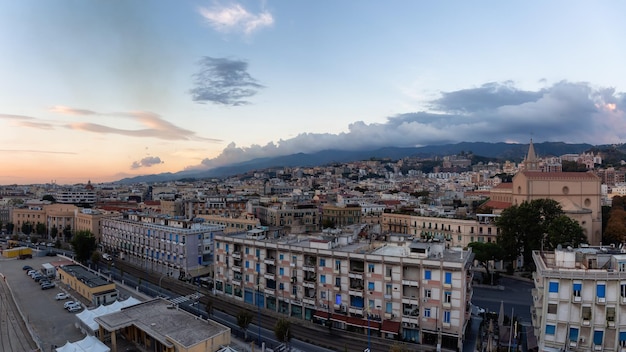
(75, 308)
(69, 304)
(61, 296)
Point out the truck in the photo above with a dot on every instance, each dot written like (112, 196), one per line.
(48, 270)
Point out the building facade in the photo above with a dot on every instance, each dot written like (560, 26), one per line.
(175, 246)
(579, 300)
(415, 291)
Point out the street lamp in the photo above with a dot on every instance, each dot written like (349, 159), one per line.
(258, 303)
(161, 278)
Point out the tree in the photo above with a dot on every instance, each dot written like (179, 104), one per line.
(27, 228)
(564, 231)
(10, 226)
(528, 226)
(54, 232)
(244, 318)
(67, 232)
(95, 257)
(49, 198)
(485, 252)
(616, 227)
(40, 229)
(84, 244)
(209, 307)
(282, 330)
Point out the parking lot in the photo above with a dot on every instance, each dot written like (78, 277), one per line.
(50, 322)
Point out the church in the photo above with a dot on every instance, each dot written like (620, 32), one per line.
(578, 193)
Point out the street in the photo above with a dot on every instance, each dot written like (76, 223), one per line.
(516, 296)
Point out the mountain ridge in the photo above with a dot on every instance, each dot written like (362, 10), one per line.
(499, 150)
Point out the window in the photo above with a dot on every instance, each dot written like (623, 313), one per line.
(552, 308)
(370, 286)
(323, 295)
(622, 338)
(258, 253)
(448, 279)
(281, 286)
(447, 297)
(338, 298)
(610, 314)
(247, 264)
(550, 329)
(586, 313)
(446, 316)
(623, 290)
(388, 307)
(577, 287)
(427, 293)
(601, 290)
(337, 265)
(573, 334)
(337, 282)
(388, 271)
(294, 290)
(258, 267)
(322, 262)
(370, 304)
(370, 268)
(388, 289)
(281, 256)
(294, 259)
(553, 287)
(598, 336)
(427, 275)
(281, 271)
(621, 266)
(427, 312)
(323, 279)
(247, 250)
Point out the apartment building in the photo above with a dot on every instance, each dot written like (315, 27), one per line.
(173, 245)
(300, 218)
(454, 232)
(341, 216)
(239, 224)
(415, 291)
(579, 299)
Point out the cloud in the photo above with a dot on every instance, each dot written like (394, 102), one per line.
(35, 151)
(235, 18)
(155, 125)
(146, 162)
(574, 112)
(60, 109)
(223, 81)
(39, 125)
(15, 117)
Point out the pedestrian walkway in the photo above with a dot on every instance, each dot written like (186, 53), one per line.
(181, 299)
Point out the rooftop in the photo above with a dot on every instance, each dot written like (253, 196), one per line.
(164, 322)
(84, 275)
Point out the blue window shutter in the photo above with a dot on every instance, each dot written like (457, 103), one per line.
(427, 275)
(597, 337)
(601, 290)
(573, 334)
(448, 278)
(554, 287)
(550, 329)
(578, 287)
(622, 335)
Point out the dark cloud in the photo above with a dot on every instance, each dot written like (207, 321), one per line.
(487, 97)
(146, 162)
(223, 81)
(495, 112)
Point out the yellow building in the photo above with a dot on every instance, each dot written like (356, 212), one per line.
(240, 224)
(89, 285)
(157, 325)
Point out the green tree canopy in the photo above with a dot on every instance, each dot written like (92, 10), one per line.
(244, 318)
(531, 225)
(49, 198)
(486, 251)
(40, 228)
(84, 244)
(27, 228)
(54, 231)
(282, 330)
(10, 226)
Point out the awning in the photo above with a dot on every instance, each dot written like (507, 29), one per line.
(391, 327)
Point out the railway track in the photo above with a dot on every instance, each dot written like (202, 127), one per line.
(14, 334)
(304, 331)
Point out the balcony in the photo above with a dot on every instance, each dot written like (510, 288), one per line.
(577, 299)
(309, 284)
(309, 268)
(353, 292)
(601, 300)
(308, 301)
(413, 283)
(269, 261)
(269, 291)
(270, 276)
(236, 255)
(355, 275)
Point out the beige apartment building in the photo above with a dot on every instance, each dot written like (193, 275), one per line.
(341, 216)
(454, 232)
(409, 290)
(243, 223)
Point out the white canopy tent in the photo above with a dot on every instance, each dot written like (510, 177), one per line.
(87, 317)
(88, 344)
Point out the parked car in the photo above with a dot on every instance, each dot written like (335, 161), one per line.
(73, 309)
(44, 281)
(51, 254)
(38, 278)
(68, 304)
(61, 296)
(27, 267)
(47, 286)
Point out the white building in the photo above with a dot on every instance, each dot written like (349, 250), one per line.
(580, 299)
(172, 245)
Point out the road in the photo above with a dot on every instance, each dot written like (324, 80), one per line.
(516, 295)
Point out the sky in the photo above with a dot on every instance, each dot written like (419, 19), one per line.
(101, 90)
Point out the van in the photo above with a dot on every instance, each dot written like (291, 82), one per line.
(107, 256)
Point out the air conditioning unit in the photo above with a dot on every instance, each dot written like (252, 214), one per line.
(582, 340)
